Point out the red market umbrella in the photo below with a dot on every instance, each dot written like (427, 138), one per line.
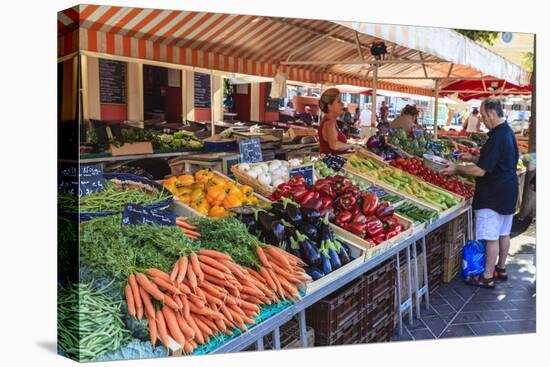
(477, 89)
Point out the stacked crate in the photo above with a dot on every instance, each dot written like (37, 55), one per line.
(435, 244)
(455, 239)
(361, 312)
(339, 318)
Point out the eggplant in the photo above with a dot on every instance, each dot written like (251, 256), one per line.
(249, 221)
(290, 230)
(278, 209)
(314, 272)
(309, 230)
(329, 212)
(264, 219)
(310, 215)
(325, 232)
(335, 262)
(344, 253)
(278, 232)
(309, 253)
(326, 267)
(292, 212)
(294, 248)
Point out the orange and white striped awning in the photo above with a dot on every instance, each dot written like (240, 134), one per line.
(245, 44)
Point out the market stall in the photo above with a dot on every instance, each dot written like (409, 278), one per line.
(244, 234)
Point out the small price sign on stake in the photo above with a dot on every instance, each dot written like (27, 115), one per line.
(139, 215)
(89, 179)
(250, 150)
(335, 162)
(305, 171)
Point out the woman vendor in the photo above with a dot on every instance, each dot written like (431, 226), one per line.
(331, 138)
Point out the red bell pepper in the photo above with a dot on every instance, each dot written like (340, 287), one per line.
(346, 201)
(298, 193)
(297, 180)
(379, 239)
(341, 183)
(312, 203)
(354, 210)
(306, 197)
(359, 218)
(316, 195)
(326, 201)
(326, 190)
(371, 242)
(384, 210)
(374, 227)
(370, 204)
(343, 217)
(391, 234)
(359, 229)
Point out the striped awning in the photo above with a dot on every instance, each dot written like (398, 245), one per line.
(245, 44)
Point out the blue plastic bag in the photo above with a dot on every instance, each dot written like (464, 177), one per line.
(473, 259)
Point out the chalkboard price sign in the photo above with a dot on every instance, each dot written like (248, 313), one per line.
(87, 181)
(202, 90)
(112, 81)
(305, 171)
(335, 162)
(140, 215)
(250, 150)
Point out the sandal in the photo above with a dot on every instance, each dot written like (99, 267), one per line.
(481, 281)
(500, 274)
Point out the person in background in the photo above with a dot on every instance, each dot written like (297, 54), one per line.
(384, 112)
(346, 116)
(331, 138)
(356, 115)
(306, 116)
(365, 122)
(289, 110)
(406, 120)
(473, 123)
(496, 191)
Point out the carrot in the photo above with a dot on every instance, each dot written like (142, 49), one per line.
(256, 275)
(188, 347)
(219, 323)
(198, 309)
(148, 305)
(191, 277)
(205, 330)
(182, 269)
(186, 330)
(214, 315)
(152, 272)
(249, 306)
(166, 285)
(198, 334)
(200, 293)
(212, 271)
(213, 300)
(263, 259)
(213, 290)
(216, 281)
(248, 320)
(150, 287)
(235, 269)
(130, 300)
(209, 323)
(195, 300)
(276, 254)
(190, 233)
(252, 291)
(270, 282)
(253, 281)
(184, 224)
(184, 288)
(161, 326)
(172, 324)
(215, 263)
(185, 303)
(214, 254)
(276, 280)
(226, 313)
(234, 292)
(137, 298)
(197, 268)
(178, 301)
(175, 270)
(152, 329)
(252, 299)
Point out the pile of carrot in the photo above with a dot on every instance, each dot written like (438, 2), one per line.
(208, 293)
(188, 229)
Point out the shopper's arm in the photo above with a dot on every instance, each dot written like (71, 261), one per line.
(470, 170)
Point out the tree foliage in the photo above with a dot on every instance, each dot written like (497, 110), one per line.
(488, 37)
(527, 62)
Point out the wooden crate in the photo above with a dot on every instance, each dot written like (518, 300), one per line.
(144, 147)
(356, 251)
(452, 258)
(371, 252)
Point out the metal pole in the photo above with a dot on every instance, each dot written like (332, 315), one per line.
(398, 290)
(374, 91)
(435, 107)
(302, 326)
(416, 280)
(426, 285)
(409, 284)
(212, 123)
(276, 339)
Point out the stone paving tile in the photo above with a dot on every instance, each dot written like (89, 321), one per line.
(501, 305)
(486, 328)
(436, 299)
(476, 306)
(457, 331)
(444, 309)
(455, 301)
(519, 326)
(436, 323)
(522, 314)
(446, 291)
(494, 316)
(524, 304)
(417, 324)
(405, 337)
(422, 334)
(467, 317)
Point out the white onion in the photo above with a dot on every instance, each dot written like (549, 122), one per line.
(265, 179)
(277, 181)
(243, 167)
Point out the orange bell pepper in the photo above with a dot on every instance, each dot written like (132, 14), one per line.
(215, 195)
(201, 206)
(216, 181)
(196, 195)
(186, 180)
(203, 176)
(217, 212)
(233, 200)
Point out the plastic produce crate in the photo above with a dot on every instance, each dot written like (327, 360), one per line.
(452, 258)
(354, 332)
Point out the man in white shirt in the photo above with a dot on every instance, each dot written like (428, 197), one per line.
(473, 122)
(365, 121)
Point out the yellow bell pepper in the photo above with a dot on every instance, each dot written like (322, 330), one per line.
(233, 200)
(217, 212)
(246, 190)
(216, 181)
(170, 184)
(186, 180)
(215, 195)
(185, 198)
(201, 206)
(183, 191)
(196, 195)
(203, 176)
